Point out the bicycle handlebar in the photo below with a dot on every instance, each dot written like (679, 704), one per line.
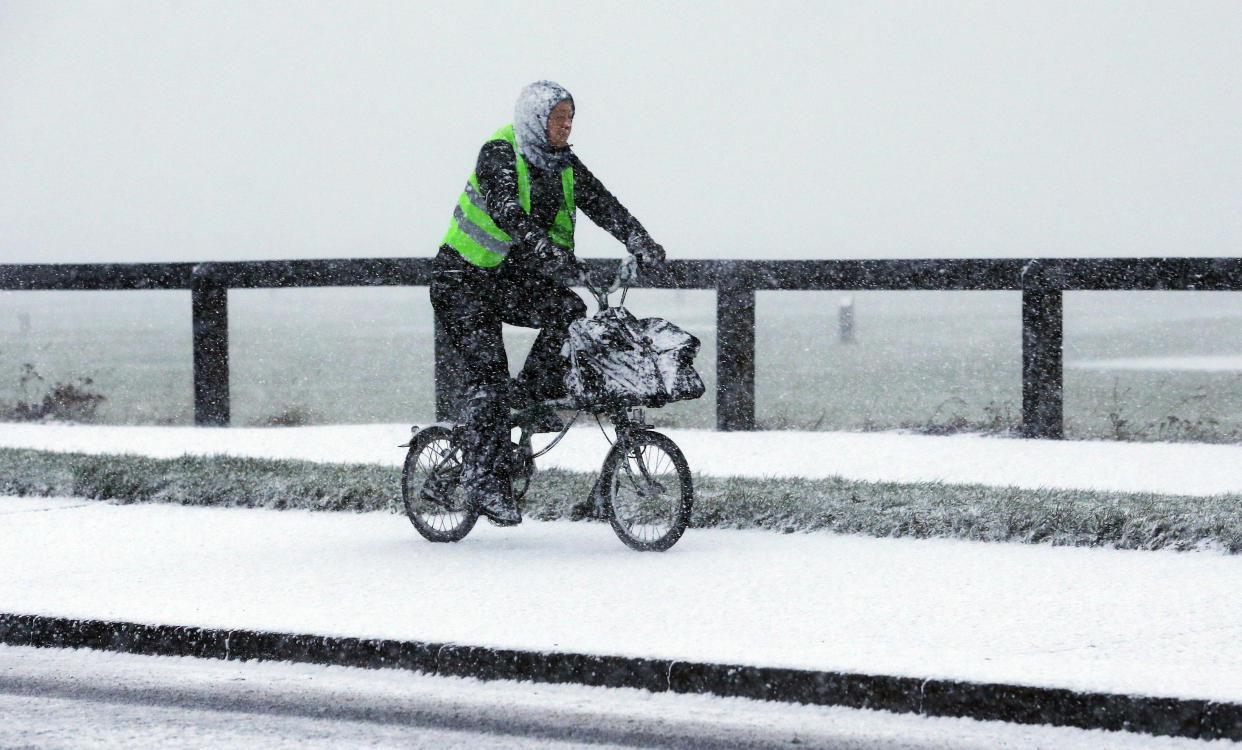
(627, 271)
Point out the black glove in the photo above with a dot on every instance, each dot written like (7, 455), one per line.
(545, 256)
(648, 252)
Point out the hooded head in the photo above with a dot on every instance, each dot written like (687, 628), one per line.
(530, 124)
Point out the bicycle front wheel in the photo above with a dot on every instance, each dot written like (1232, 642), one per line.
(649, 489)
(431, 487)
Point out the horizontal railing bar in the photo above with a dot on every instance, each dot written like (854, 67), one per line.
(95, 276)
(1068, 274)
(1042, 282)
(1147, 274)
(319, 273)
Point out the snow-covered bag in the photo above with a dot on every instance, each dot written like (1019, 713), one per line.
(617, 359)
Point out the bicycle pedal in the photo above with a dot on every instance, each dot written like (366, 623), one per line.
(588, 511)
(435, 496)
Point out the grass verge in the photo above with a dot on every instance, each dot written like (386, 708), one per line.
(924, 510)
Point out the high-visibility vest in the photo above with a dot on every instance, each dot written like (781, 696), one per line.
(474, 234)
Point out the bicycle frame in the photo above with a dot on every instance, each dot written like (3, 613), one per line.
(644, 488)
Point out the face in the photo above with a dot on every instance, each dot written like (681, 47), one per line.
(560, 122)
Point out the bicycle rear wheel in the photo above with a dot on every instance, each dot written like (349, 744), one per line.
(431, 487)
(649, 491)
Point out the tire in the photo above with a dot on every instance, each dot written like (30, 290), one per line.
(435, 457)
(649, 491)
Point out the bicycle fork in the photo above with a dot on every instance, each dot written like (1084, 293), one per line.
(649, 486)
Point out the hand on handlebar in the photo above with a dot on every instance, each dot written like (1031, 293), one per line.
(558, 263)
(649, 253)
(545, 255)
(627, 273)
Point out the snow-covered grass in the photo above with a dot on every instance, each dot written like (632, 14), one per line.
(1087, 494)
(1091, 465)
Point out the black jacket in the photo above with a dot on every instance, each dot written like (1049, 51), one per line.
(496, 170)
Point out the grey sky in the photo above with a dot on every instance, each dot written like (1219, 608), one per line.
(229, 130)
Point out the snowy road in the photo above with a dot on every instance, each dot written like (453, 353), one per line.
(1149, 623)
(53, 698)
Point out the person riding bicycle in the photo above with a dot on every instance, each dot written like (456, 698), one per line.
(508, 257)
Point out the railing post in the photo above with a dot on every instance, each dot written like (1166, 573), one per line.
(845, 320)
(209, 302)
(1042, 346)
(447, 373)
(735, 354)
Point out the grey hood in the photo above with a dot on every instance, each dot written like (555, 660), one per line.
(530, 124)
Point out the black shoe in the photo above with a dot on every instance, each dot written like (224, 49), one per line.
(587, 509)
(499, 510)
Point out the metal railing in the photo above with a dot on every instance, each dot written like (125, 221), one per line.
(1041, 282)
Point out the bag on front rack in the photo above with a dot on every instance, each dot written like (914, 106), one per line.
(617, 359)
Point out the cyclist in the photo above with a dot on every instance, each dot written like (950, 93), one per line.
(508, 257)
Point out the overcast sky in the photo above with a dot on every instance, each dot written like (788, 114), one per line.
(241, 130)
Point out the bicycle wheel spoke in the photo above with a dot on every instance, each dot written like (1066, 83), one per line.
(430, 487)
(650, 493)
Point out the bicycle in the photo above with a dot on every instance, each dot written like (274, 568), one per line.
(644, 489)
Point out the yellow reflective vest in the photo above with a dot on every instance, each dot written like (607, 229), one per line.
(474, 234)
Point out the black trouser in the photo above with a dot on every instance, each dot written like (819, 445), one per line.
(472, 302)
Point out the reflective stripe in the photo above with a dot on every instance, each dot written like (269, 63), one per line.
(481, 219)
(475, 197)
(476, 233)
(468, 248)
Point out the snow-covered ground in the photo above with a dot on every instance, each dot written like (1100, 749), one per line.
(1132, 622)
(1167, 468)
(1165, 623)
